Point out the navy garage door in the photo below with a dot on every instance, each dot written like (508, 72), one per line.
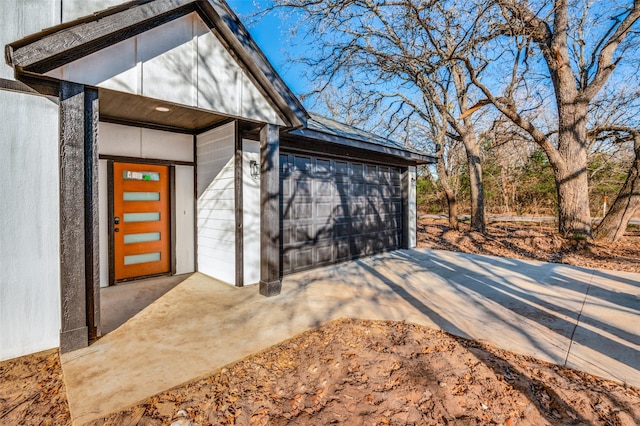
(335, 210)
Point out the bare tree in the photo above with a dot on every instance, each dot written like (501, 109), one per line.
(615, 222)
(397, 58)
(442, 141)
(578, 68)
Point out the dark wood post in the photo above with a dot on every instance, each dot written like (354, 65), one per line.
(270, 282)
(79, 258)
(92, 213)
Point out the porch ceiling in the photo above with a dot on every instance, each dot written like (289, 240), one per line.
(138, 110)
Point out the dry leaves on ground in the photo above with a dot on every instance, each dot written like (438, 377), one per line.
(357, 372)
(534, 242)
(32, 391)
(370, 372)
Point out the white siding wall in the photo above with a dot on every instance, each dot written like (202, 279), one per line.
(127, 141)
(412, 204)
(180, 61)
(29, 225)
(216, 203)
(251, 213)
(74, 9)
(21, 18)
(185, 218)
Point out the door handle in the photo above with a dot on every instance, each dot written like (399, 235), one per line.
(116, 220)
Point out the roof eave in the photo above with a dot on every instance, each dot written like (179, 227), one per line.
(254, 58)
(359, 144)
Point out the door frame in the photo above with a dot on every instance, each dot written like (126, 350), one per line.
(172, 211)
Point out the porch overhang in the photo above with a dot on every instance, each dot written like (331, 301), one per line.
(35, 55)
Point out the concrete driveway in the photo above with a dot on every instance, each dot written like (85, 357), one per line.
(583, 318)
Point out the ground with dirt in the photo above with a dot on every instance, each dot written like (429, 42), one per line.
(352, 372)
(32, 391)
(361, 372)
(533, 242)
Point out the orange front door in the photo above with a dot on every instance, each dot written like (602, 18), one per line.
(141, 225)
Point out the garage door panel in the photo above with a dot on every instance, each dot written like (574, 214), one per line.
(325, 232)
(303, 233)
(343, 189)
(324, 254)
(342, 229)
(302, 259)
(285, 187)
(322, 167)
(358, 190)
(302, 210)
(342, 249)
(285, 231)
(303, 186)
(324, 209)
(341, 168)
(373, 190)
(357, 172)
(323, 188)
(302, 164)
(357, 227)
(337, 210)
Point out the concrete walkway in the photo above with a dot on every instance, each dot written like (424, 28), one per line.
(583, 318)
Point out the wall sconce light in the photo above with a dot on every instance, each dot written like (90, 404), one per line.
(254, 169)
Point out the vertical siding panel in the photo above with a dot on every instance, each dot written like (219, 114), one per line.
(29, 226)
(251, 213)
(216, 203)
(21, 18)
(185, 256)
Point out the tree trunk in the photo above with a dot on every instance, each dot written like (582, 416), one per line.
(614, 224)
(570, 172)
(452, 201)
(475, 181)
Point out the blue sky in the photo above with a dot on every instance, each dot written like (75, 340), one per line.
(272, 37)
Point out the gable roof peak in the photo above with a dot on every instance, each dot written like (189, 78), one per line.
(62, 44)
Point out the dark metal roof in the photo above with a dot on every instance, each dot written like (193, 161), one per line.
(329, 130)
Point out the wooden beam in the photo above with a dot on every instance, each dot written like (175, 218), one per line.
(270, 281)
(79, 216)
(92, 214)
(68, 44)
(73, 333)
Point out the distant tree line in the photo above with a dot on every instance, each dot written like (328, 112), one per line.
(524, 188)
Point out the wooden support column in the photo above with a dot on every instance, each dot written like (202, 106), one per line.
(270, 281)
(92, 213)
(79, 258)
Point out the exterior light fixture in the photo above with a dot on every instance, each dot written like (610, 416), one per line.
(162, 109)
(254, 169)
